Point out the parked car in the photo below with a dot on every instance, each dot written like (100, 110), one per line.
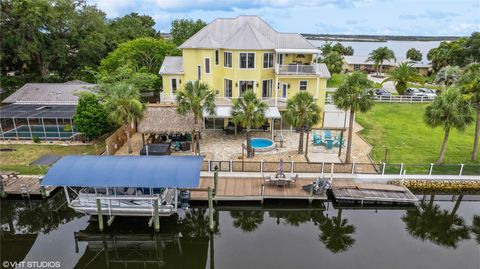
(429, 93)
(414, 91)
(382, 93)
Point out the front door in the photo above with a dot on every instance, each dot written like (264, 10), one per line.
(284, 91)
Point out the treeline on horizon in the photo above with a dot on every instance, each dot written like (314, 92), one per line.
(377, 38)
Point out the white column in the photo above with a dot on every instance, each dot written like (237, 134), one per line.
(276, 91)
(318, 80)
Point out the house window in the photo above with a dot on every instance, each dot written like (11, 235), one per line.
(174, 85)
(207, 65)
(268, 60)
(228, 89)
(227, 59)
(280, 59)
(303, 85)
(217, 60)
(356, 67)
(267, 88)
(247, 60)
(245, 86)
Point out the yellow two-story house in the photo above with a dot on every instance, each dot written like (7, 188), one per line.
(241, 54)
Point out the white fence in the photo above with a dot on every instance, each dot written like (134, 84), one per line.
(394, 99)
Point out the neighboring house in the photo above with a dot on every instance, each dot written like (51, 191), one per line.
(356, 63)
(43, 110)
(245, 53)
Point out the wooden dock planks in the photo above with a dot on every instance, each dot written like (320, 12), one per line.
(252, 189)
(13, 186)
(372, 192)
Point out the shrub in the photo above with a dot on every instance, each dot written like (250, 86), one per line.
(36, 139)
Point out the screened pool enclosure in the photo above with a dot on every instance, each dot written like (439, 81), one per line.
(46, 122)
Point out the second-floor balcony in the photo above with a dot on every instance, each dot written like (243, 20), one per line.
(298, 69)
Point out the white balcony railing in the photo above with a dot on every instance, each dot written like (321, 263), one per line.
(297, 69)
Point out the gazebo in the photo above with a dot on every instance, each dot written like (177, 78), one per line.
(165, 120)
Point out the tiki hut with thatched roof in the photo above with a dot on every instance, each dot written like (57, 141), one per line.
(166, 120)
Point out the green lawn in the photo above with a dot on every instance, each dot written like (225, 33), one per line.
(336, 80)
(400, 129)
(20, 159)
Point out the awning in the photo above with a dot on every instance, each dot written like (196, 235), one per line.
(299, 51)
(225, 112)
(125, 171)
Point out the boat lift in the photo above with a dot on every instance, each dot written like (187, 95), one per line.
(125, 185)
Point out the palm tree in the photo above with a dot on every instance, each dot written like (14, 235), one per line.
(247, 220)
(124, 107)
(448, 75)
(249, 112)
(336, 233)
(353, 96)
(450, 111)
(379, 55)
(470, 84)
(195, 97)
(401, 75)
(302, 111)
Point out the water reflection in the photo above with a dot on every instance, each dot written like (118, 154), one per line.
(428, 222)
(476, 228)
(247, 220)
(336, 233)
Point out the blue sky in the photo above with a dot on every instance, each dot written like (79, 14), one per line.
(382, 17)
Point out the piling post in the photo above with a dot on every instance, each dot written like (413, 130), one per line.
(210, 208)
(156, 217)
(43, 192)
(215, 181)
(3, 194)
(100, 216)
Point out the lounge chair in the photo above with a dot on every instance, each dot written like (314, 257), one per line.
(329, 144)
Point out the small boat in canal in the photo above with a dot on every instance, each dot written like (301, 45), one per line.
(125, 185)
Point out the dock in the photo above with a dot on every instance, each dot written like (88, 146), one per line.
(24, 185)
(253, 189)
(345, 191)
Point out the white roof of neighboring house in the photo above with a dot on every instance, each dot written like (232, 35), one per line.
(323, 70)
(172, 65)
(49, 93)
(363, 60)
(244, 32)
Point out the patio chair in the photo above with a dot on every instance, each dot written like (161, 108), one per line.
(281, 182)
(317, 141)
(329, 144)
(328, 134)
(339, 143)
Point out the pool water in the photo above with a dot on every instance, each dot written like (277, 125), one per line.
(261, 143)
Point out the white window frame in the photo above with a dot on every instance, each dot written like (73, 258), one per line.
(199, 74)
(240, 62)
(300, 85)
(216, 55)
(171, 86)
(247, 80)
(268, 60)
(209, 65)
(225, 88)
(231, 59)
(268, 90)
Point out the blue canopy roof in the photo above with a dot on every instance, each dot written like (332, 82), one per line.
(125, 171)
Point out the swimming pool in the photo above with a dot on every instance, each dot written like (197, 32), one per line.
(50, 132)
(262, 144)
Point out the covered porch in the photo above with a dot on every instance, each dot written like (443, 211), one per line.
(297, 62)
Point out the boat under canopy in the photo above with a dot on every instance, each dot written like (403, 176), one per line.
(125, 185)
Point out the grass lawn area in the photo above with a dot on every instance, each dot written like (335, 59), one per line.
(336, 80)
(20, 159)
(400, 128)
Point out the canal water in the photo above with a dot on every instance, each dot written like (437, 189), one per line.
(438, 233)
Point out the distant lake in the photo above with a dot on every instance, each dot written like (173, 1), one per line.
(399, 47)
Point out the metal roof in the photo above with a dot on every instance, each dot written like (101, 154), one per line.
(172, 65)
(125, 171)
(244, 32)
(49, 93)
(21, 111)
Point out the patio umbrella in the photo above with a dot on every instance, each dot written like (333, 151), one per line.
(280, 168)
